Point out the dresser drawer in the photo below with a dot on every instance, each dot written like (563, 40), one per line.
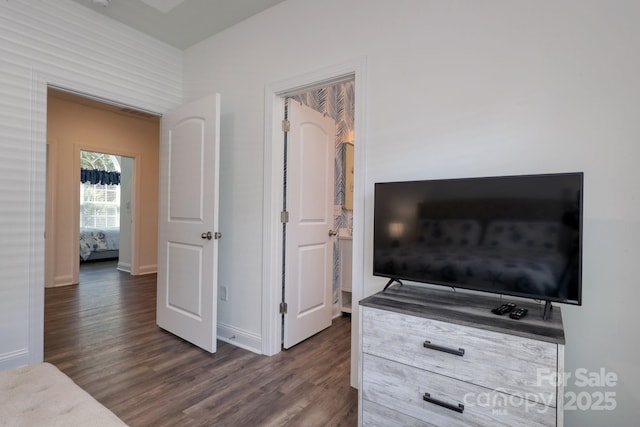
(374, 415)
(478, 356)
(451, 402)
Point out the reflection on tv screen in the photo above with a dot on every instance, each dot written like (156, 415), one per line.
(516, 235)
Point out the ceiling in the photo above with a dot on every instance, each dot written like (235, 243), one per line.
(180, 23)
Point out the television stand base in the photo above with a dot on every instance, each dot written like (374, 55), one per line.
(547, 310)
(390, 282)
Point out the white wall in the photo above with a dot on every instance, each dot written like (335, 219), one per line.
(455, 89)
(47, 41)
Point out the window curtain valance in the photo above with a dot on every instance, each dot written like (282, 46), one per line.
(97, 176)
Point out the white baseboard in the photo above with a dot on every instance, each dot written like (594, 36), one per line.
(14, 359)
(240, 338)
(147, 269)
(124, 266)
(61, 281)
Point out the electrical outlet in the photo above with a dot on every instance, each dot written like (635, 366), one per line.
(224, 295)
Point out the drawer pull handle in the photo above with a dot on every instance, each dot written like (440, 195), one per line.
(458, 352)
(458, 408)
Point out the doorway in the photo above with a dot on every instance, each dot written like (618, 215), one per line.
(106, 208)
(313, 261)
(272, 228)
(76, 124)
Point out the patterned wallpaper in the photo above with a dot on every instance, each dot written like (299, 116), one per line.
(337, 101)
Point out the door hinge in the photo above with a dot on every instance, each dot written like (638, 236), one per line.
(286, 125)
(284, 217)
(283, 308)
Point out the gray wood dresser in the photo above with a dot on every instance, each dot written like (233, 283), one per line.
(433, 357)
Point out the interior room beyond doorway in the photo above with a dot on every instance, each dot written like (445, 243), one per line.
(76, 124)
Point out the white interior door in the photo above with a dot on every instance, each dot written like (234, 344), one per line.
(187, 227)
(309, 241)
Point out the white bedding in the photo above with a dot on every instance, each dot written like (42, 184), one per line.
(97, 240)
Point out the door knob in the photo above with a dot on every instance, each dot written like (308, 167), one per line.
(206, 235)
(332, 233)
(217, 235)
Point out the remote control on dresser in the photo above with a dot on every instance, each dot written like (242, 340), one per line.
(504, 308)
(518, 313)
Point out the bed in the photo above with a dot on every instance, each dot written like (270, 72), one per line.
(99, 243)
(41, 395)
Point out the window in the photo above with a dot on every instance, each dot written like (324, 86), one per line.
(99, 203)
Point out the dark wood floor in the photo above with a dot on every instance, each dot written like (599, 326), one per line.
(102, 334)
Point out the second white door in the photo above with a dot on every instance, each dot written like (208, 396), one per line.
(309, 231)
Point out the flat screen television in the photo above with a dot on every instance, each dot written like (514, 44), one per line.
(511, 235)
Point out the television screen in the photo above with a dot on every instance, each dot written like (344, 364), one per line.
(512, 235)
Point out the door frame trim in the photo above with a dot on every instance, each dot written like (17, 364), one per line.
(272, 190)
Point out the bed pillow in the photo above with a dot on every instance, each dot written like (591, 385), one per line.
(517, 235)
(458, 232)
